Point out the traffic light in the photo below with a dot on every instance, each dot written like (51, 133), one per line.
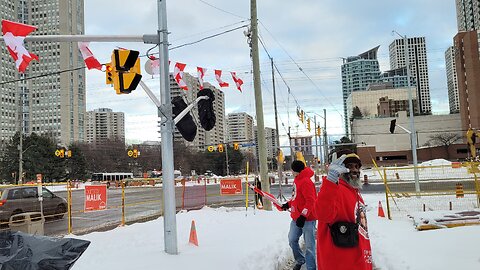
(220, 148)
(186, 126)
(392, 125)
(302, 116)
(319, 131)
(235, 146)
(110, 73)
(63, 153)
(308, 125)
(205, 109)
(124, 71)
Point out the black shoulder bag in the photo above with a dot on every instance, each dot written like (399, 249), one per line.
(344, 234)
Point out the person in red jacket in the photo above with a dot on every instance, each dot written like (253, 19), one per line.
(301, 207)
(342, 236)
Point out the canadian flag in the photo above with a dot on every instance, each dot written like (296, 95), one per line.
(14, 34)
(90, 61)
(155, 64)
(237, 80)
(201, 72)
(178, 75)
(218, 76)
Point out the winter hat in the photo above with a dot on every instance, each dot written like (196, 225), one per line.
(351, 156)
(298, 166)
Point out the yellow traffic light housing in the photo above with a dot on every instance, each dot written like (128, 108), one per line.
(308, 125)
(220, 148)
(127, 66)
(319, 131)
(236, 146)
(123, 71)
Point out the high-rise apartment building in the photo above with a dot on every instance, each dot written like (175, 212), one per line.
(468, 15)
(397, 78)
(240, 128)
(357, 73)
(467, 63)
(417, 54)
(452, 83)
(271, 142)
(52, 103)
(302, 144)
(203, 138)
(105, 125)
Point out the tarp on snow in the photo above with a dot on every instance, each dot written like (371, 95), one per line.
(24, 251)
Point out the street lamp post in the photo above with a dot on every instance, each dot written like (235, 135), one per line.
(413, 134)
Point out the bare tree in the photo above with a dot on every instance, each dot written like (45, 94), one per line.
(443, 139)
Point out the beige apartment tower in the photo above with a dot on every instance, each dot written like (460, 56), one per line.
(103, 125)
(52, 103)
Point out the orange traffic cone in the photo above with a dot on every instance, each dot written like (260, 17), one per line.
(380, 210)
(193, 234)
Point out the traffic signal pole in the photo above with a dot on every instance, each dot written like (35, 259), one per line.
(166, 130)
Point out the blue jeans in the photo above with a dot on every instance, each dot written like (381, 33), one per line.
(308, 232)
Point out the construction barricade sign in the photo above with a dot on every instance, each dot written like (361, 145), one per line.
(230, 187)
(95, 197)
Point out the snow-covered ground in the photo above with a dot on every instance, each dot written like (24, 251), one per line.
(234, 238)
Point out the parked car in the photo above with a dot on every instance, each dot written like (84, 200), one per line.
(16, 200)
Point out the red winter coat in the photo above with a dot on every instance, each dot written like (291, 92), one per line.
(335, 203)
(303, 197)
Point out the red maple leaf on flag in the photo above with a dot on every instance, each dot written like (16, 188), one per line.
(14, 35)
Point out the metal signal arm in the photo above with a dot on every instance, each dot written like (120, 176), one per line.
(159, 105)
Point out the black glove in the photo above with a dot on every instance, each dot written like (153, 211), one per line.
(285, 207)
(300, 221)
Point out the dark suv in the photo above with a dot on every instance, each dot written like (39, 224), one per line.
(16, 200)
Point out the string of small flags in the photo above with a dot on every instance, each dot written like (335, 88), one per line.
(178, 73)
(14, 34)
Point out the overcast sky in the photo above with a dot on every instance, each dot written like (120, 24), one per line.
(312, 35)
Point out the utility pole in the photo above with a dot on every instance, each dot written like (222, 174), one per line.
(277, 138)
(166, 130)
(262, 154)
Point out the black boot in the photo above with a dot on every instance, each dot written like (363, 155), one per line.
(297, 267)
